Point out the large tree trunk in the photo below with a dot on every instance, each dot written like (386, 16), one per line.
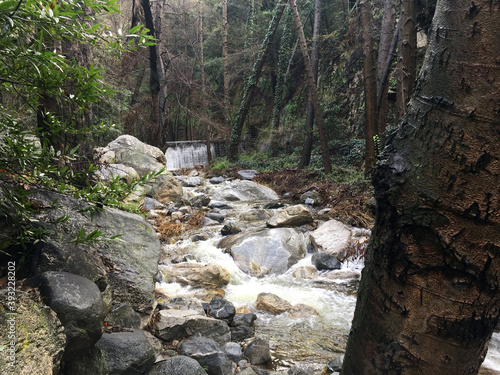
(370, 82)
(251, 85)
(305, 157)
(318, 114)
(429, 297)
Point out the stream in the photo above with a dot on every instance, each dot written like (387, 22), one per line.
(315, 338)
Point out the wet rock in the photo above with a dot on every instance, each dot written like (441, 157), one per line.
(190, 181)
(230, 228)
(199, 237)
(220, 205)
(179, 364)
(332, 237)
(40, 338)
(244, 191)
(218, 217)
(206, 295)
(312, 197)
(201, 275)
(247, 174)
(335, 364)
(241, 332)
(302, 273)
(255, 214)
(78, 304)
(207, 222)
(208, 354)
(273, 205)
(304, 368)
(244, 319)
(216, 180)
(232, 351)
(129, 352)
(201, 200)
(301, 310)
(178, 324)
(325, 261)
(291, 216)
(123, 315)
(258, 351)
(220, 308)
(271, 251)
(272, 303)
(183, 303)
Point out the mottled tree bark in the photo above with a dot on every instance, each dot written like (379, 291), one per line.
(429, 297)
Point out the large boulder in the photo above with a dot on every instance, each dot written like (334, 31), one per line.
(143, 158)
(291, 216)
(272, 303)
(40, 338)
(209, 275)
(220, 308)
(178, 324)
(125, 267)
(179, 364)
(208, 354)
(244, 191)
(247, 174)
(165, 188)
(258, 351)
(78, 304)
(271, 251)
(129, 352)
(332, 237)
(108, 172)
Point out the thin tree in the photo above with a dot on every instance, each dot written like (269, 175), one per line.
(251, 84)
(225, 61)
(318, 114)
(429, 298)
(308, 143)
(203, 88)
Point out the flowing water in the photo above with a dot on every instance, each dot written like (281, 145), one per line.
(315, 339)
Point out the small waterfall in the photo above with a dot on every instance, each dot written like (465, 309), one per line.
(187, 154)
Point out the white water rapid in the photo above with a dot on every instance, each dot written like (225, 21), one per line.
(315, 339)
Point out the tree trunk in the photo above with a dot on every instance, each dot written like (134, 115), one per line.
(203, 89)
(429, 297)
(251, 85)
(305, 157)
(408, 57)
(318, 115)
(370, 82)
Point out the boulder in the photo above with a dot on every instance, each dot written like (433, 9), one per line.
(271, 251)
(273, 205)
(129, 352)
(291, 216)
(312, 198)
(244, 191)
(242, 326)
(302, 273)
(218, 217)
(258, 351)
(208, 354)
(108, 172)
(40, 338)
(123, 315)
(195, 274)
(179, 364)
(325, 261)
(178, 324)
(230, 228)
(247, 174)
(216, 205)
(216, 180)
(335, 364)
(201, 200)
(233, 351)
(190, 181)
(136, 154)
(255, 214)
(125, 267)
(220, 308)
(165, 188)
(272, 303)
(301, 310)
(332, 237)
(78, 304)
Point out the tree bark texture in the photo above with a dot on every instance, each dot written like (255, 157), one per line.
(203, 88)
(429, 297)
(251, 85)
(305, 157)
(370, 82)
(225, 60)
(318, 114)
(408, 55)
